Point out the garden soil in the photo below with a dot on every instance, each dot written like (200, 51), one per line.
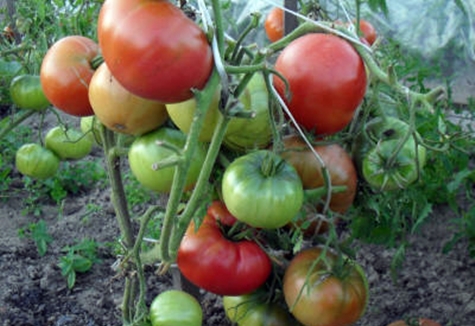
(431, 284)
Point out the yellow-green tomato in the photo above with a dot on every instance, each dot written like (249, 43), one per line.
(26, 93)
(182, 116)
(68, 144)
(35, 161)
(151, 159)
(175, 308)
(256, 132)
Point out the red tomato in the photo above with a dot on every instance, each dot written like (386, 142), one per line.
(327, 292)
(274, 24)
(219, 212)
(338, 162)
(66, 72)
(218, 265)
(153, 49)
(327, 81)
(368, 30)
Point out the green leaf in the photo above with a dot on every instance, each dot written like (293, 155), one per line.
(71, 279)
(376, 5)
(397, 261)
(81, 264)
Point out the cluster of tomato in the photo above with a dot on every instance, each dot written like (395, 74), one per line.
(152, 59)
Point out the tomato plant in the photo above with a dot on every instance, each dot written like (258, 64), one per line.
(415, 322)
(36, 161)
(262, 190)
(338, 163)
(250, 310)
(325, 91)
(148, 152)
(120, 110)
(68, 143)
(65, 74)
(174, 307)
(241, 133)
(26, 93)
(209, 260)
(153, 49)
(324, 289)
(274, 24)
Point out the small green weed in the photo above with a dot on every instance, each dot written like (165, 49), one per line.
(38, 232)
(79, 258)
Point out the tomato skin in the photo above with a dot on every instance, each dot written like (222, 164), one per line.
(26, 93)
(66, 72)
(153, 49)
(68, 144)
(330, 300)
(368, 31)
(145, 154)
(327, 81)
(209, 260)
(36, 161)
(120, 110)
(174, 307)
(219, 212)
(249, 310)
(337, 161)
(415, 322)
(259, 198)
(274, 24)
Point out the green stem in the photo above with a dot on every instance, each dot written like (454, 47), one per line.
(204, 99)
(16, 122)
(315, 194)
(201, 184)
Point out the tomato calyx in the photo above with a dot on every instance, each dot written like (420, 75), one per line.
(271, 165)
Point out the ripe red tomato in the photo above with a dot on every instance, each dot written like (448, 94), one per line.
(66, 72)
(338, 162)
(274, 24)
(368, 31)
(120, 110)
(327, 81)
(214, 263)
(153, 49)
(325, 292)
(415, 322)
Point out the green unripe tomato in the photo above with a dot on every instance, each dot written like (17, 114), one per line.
(26, 93)
(35, 161)
(175, 308)
(70, 144)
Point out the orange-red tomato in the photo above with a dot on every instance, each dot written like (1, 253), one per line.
(153, 49)
(323, 293)
(274, 24)
(368, 31)
(120, 110)
(66, 72)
